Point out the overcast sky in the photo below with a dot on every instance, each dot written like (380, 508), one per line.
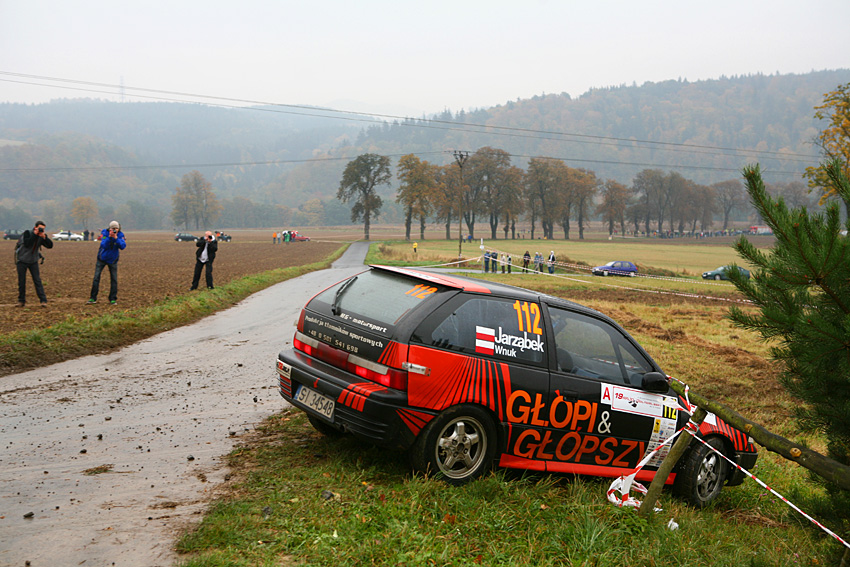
(400, 57)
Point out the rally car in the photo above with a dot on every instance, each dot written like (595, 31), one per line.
(464, 374)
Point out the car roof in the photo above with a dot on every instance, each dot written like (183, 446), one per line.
(474, 285)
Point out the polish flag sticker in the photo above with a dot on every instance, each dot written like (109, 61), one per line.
(485, 340)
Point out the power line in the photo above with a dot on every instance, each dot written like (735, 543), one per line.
(433, 123)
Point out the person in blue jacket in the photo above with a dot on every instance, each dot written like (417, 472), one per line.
(111, 244)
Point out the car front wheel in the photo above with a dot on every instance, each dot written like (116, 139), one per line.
(605, 273)
(703, 474)
(459, 445)
(717, 277)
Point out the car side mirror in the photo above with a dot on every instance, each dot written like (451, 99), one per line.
(655, 382)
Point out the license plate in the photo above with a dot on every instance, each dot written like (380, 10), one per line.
(316, 401)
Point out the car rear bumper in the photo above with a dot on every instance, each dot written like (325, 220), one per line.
(365, 409)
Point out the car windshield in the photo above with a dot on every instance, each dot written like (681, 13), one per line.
(610, 263)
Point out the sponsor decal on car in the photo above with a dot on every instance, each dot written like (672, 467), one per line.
(640, 403)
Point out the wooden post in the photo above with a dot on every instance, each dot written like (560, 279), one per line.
(676, 452)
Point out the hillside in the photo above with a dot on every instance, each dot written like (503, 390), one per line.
(120, 152)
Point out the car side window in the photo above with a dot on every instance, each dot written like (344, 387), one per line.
(591, 348)
(494, 327)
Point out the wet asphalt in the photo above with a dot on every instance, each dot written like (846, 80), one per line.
(103, 459)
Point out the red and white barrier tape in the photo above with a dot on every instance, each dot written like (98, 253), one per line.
(623, 484)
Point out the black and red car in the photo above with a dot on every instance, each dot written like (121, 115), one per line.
(464, 374)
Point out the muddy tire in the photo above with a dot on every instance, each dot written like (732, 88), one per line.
(458, 446)
(703, 473)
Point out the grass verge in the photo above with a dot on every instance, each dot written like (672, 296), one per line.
(305, 499)
(71, 338)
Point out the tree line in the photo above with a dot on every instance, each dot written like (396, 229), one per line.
(550, 196)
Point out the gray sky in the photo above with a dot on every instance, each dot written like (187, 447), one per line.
(401, 57)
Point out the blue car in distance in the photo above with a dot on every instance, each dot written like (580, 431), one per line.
(616, 268)
(720, 273)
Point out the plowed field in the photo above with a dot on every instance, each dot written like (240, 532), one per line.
(152, 268)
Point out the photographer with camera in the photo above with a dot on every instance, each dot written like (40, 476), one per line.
(27, 254)
(204, 256)
(111, 243)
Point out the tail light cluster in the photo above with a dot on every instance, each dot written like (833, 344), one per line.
(366, 369)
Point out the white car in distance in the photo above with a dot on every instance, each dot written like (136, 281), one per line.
(67, 235)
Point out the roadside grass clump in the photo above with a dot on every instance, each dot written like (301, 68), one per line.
(73, 337)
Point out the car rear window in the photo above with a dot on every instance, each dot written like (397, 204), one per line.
(377, 296)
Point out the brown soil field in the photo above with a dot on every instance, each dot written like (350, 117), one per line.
(152, 268)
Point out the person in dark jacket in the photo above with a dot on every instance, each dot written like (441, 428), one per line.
(27, 254)
(112, 242)
(526, 258)
(207, 247)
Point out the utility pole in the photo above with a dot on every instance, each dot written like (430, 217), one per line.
(460, 156)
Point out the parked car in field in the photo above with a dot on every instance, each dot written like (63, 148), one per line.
(185, 237)
(298, 238)
(12, 234)
(616, 268)
(721, 273)
(465, 374)
(67, 235)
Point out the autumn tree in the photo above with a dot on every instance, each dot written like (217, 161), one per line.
(194, 201)
(585, 184)
(730, 196)
(612, 209)
(359, 181)
(834, 140)
(648, 185)
(512, 202)
(414, 192)
(541, 188)
(446, 195)
(491, 185)
(84, 211)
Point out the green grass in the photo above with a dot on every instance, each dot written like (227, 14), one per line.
(305, 499)
(72, 337)
(310, 500)
(688, 258)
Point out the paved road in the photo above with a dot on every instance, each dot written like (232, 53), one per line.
(158, 415)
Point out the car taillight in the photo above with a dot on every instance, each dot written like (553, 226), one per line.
(366, 369)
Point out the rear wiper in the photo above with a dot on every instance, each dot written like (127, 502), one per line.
(334, 309)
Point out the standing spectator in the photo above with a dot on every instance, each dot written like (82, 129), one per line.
(274, 238)
(551, 262)
(486, 261)
(111, 243)
(204, 256)
(86, 235)
(503, 261)
(526, 258)
(537, 260)
(508, 261)
(27, 254)
(415, 246)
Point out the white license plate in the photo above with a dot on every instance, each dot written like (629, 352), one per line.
(315, 401)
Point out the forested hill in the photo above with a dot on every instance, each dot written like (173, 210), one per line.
(119, 152)
(676, 125)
